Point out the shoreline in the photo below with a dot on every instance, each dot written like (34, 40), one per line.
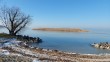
(49, 55)
(55, 55)
(61, 29)
(24, 44)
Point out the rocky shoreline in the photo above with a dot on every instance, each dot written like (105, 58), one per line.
(22, 53)
(102, 45)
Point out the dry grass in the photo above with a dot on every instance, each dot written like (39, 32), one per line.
(4, 35)
(14, 59)
(61, 29)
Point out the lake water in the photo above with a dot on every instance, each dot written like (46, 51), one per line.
(70, 41)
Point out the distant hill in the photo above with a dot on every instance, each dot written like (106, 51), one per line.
(61, 29)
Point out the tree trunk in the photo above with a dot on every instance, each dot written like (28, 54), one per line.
(13, 19)
(12, 33)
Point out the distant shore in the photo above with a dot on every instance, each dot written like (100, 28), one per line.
(61, 29)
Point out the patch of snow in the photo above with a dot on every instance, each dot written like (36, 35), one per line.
(10, 43)
(4, 52)
(15, 54)
(36, 60)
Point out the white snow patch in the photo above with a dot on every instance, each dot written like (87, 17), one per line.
(35, 60)
(4, 52)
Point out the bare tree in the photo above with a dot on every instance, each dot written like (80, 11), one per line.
(13, 19)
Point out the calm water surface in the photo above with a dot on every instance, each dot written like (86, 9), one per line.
(71, 42)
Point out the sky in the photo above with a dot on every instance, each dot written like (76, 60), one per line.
(65, 13)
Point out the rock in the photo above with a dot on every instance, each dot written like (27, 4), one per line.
(104, 45)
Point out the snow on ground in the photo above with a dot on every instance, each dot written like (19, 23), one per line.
(36, 60)
(4, 52)
(8, 42)
(14, 45)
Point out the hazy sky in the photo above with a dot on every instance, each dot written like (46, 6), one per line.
(65, 13)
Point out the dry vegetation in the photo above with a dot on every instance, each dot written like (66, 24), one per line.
(61, 29)
(14, 59)
(57, 56)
